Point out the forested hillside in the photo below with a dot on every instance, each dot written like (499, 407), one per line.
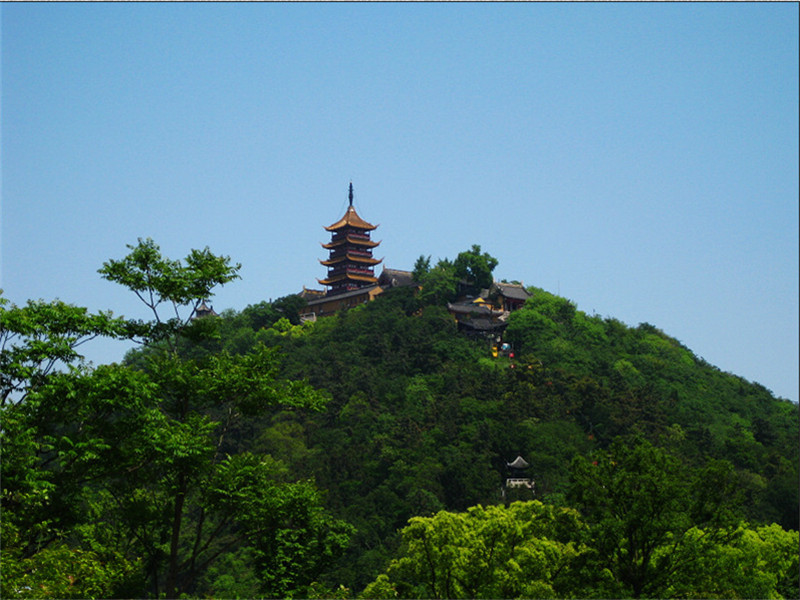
(251, 455)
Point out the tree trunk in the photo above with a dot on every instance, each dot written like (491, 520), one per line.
(171, 586)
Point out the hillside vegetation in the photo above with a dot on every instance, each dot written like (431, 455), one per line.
(250, 455)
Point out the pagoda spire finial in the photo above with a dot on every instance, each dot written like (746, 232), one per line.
(350, 194)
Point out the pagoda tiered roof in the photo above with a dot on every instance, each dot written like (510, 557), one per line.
(348, 276)
(367, 260)
(351, 219)
(350, 239)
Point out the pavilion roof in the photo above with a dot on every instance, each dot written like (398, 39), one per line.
(519, 463)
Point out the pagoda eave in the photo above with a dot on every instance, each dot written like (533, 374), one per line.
(350, 240)
(351, 258)
(351, 219)
(348, 277)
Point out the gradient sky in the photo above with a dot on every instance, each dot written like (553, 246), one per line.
(638, 159)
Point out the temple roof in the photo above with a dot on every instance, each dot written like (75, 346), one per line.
(483, 325)
(396, 278)
(351, 219)
(470, 308)
(311, 294)
(512, 290)
(344, 295)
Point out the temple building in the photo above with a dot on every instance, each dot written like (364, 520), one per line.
(350, 262)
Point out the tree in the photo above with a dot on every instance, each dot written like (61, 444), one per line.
(192, 392)
(421, 268)
(439, 284)
(42, 468)
(158, 280)
(292, 538)
(290, 307)
(475, 267)
(37, 338)
(641, 504)
(120, 466)
(754, 562)
(523, 550)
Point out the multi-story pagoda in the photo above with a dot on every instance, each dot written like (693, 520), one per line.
(350, 262)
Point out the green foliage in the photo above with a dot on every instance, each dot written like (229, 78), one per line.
(290, 307)
(474, 267)
(641, 505)
(421, 267)
(232, 576)
(247, 454)
(756, 562)
(292, 538)
(59, 571)
(156, 280)
(40, 336)
(440, 283)
(118, 471)
(488, 552)
(532, 550)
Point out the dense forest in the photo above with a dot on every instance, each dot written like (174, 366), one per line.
(363, 455)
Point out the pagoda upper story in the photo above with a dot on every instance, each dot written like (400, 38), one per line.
(350, 262)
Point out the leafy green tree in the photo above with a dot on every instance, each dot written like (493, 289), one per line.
(39, 337)
(439, 284)
(43, 468)
(475, 267)
(760, 562)
(421, 267)
(523, 550)
(641, 504)
(290, 307)
(191, 393)
(292, 537)
(180, 285)
(117, 466)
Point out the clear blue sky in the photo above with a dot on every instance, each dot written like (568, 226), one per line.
(638, 159)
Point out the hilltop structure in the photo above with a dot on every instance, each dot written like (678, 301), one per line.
(517, 477)
(486, 315)
(351, 281)
(350, 262)
(351, 276)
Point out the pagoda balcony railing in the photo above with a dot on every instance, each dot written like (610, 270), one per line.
(351, 270)
(339, 253)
